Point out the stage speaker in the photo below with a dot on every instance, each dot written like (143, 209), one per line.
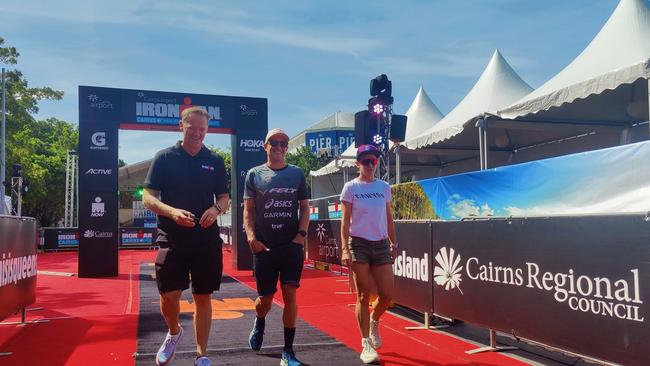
(360, 119)
(398, 128)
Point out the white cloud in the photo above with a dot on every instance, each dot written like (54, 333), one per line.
(461, 208)
(209, 22)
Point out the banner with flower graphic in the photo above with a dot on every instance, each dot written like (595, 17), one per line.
(553, 280)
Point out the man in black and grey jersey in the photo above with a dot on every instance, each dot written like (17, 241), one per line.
(276, 216)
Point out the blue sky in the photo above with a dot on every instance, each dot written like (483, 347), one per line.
(310, 58)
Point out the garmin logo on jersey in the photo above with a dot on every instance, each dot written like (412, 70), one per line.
(277, 204)
(369, 195)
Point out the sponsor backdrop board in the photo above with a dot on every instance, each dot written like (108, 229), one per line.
(60, 238)
(412, 267)
(137, 236)
(18, 264)
(102, 111)
(324, 241)
(576, 283)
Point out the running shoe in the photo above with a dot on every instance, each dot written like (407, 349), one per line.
(168, 348)
(368, 353)
(289, 359)
(256, 337)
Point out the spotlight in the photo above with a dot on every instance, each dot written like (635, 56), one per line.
(377, 139)
(378, 108)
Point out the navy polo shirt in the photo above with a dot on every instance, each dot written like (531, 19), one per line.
(190, 183)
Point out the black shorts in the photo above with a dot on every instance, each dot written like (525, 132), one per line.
(284, 261)
(177, 261)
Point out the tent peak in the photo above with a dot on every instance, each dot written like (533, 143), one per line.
(621, 44)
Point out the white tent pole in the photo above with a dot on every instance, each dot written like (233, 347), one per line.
(648, 105)
(481, 148)
(485, 145)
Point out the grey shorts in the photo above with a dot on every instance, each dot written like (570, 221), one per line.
(371, 252)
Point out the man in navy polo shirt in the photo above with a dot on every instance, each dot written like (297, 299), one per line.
(180, 188)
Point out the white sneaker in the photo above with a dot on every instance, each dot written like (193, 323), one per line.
(166, 352)
(375, 338)
(368, 353)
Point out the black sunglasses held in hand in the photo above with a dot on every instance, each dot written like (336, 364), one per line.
(276, 143)
(368, 162)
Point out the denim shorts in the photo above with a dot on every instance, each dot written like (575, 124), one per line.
(371, 252)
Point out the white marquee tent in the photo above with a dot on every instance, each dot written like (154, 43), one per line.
(442, 149)
(599, 100)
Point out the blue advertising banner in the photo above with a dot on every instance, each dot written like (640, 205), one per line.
(614, 180)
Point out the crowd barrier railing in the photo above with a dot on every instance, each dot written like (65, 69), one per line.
(547, 280)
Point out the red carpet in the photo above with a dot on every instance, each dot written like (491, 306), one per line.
(94, 320)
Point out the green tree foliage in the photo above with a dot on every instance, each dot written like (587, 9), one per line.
(22, 100)
(227, 160)
(306, 160)
(39, 146)
(410, 202)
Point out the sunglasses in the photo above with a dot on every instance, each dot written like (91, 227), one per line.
(276, 143)
(368, 162)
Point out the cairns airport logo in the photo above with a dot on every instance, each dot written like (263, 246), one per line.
(328, 246)
(599, 295)
(98, 103)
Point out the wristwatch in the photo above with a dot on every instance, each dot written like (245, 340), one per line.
(302, 232)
